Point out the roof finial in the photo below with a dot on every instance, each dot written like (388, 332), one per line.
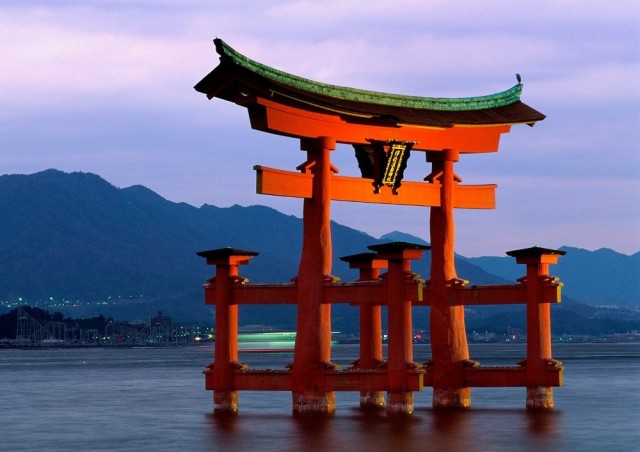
(518, 78)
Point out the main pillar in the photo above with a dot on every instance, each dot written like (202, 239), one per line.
(448, 336)
(312, 353)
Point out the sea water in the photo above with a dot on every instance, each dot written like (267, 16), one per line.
(154, 399)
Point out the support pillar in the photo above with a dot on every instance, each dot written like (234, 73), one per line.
(537, 260)
(370, 325)
(312, 353)
(400, 327)
(448, 336)
(226, 260)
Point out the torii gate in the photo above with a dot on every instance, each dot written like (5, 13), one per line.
(383, 128)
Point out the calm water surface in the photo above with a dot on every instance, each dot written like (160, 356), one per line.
(154, 399)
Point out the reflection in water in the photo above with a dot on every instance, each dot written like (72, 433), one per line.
(374, 430)
(313, 432)
(449, 422)
(543, 422)
(155, 399)
(224, 422)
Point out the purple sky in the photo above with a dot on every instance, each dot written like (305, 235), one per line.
(107, 87)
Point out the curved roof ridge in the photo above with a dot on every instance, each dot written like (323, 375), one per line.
(500, 99)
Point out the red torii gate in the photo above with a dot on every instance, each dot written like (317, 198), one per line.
(320, 116)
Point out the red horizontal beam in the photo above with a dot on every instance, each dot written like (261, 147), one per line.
(503, 294)
(273, 117)
(377, 380)
(370, 380)
(342, 380)
(257, 294)
(275, 182)
(265, 294)
(357, 292)
(493, 377)
(375, 292)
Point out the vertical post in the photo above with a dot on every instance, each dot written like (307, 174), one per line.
(312, 353)
(537, 260)
(448, 336)
(400, 327)
(220, 293)
(225, 398)
(370, 324)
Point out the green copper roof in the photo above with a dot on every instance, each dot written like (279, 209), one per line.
(501, 99)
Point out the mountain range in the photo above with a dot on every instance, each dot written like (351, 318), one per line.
(77, 243)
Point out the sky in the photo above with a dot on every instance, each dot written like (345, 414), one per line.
(107, 87)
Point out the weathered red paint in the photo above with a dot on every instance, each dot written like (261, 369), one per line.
(313, 379)
(539, 359)
(371, 375)
(400, 327)
(371, 357)
(448, 336)
(225, 395)
(312, 352)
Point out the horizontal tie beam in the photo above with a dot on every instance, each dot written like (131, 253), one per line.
(270, 181)
(375, 293)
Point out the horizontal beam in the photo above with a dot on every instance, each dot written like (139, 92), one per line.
(377, 380)
(244, 294)
(375, 293)
(503, 294)
(273, 117)
(370, 380)
(368, 292)
(341, 380)
(270, 181)
(266, 294)
(494, 377)
(483, 295)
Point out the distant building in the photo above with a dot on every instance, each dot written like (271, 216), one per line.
(162, 329)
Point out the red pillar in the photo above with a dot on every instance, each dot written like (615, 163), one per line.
(448, 336)
(370, 324)
(537, 260)
(400, 327)
(312, 353)
(226, 260)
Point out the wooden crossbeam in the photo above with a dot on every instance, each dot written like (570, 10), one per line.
(510, 377)
(504, 294)
(340, 380)
(266, 294)
(375, 293)
(273, 117)
(270, 181)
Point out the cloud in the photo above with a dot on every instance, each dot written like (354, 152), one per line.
(107, 87)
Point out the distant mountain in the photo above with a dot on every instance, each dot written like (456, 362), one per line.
(601, 277)
(77, 237)
(74, 236)
(475, 274)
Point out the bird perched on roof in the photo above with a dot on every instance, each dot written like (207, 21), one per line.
(518, 78)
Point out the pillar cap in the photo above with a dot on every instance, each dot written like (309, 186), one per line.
(368, 259)
(399, 250)
(227, 256)
(535, 251)
(536, 255)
